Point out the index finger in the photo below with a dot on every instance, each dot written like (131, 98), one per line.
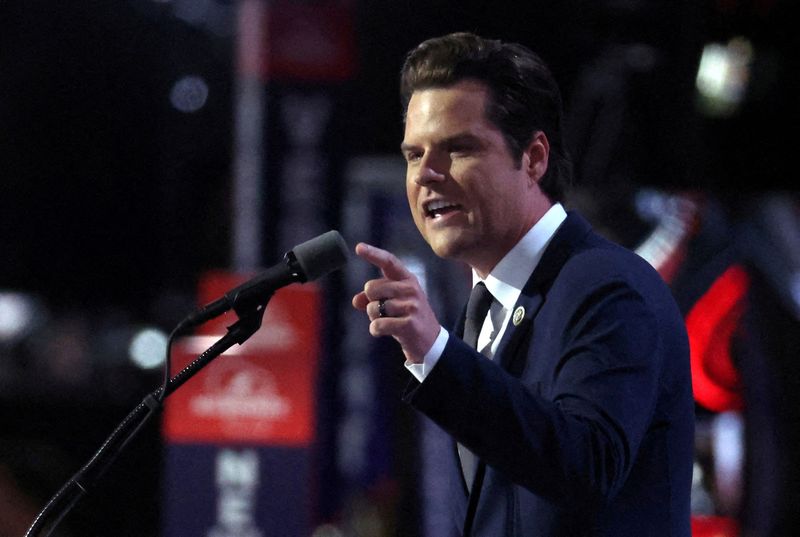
(391, 267)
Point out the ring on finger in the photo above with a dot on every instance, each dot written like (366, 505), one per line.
(382, 308)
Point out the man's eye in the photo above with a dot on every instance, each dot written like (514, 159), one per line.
(412, 156)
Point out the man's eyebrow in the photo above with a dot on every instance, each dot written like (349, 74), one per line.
(461, 138)
(456, 138)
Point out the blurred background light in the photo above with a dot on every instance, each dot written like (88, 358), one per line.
(148, 348)
(214, 15)
(795, 287)
(19, 315)
(723, 76)
(327, 530)
(416, 267)
(727, 435)
(193, 12)
(189, 94)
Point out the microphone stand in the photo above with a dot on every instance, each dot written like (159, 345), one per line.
(78, 485)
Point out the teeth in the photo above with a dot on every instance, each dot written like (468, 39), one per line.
(438, 205)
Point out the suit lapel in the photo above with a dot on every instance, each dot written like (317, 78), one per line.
(512, 347)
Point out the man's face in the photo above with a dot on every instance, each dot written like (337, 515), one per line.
(470, 199)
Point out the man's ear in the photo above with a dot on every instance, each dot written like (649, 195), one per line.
(536, 155)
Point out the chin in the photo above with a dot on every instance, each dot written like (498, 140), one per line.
(448, 247)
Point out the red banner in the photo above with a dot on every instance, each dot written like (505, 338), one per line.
(288, 40)
(261, 392)
(714, 526)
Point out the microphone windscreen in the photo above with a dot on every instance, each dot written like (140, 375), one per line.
(321, 255)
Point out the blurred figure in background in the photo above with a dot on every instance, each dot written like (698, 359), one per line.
(656, 167)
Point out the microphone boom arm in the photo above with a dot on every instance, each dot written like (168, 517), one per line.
(250, 317)
(308, 261)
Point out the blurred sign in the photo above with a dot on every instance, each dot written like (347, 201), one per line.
(714, 526)
(261, 391)
(238, 434)
(288, 40)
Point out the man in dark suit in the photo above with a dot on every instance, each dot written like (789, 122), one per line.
(571, 414)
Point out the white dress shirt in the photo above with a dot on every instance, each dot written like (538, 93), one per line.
(505, 282)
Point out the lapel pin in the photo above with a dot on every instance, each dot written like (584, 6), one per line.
(519, 314)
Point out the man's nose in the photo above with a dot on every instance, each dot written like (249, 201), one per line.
(430, 170)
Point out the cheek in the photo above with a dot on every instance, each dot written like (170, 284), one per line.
(492, 202)
(412, 193)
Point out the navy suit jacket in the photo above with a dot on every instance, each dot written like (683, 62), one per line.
(584, 421)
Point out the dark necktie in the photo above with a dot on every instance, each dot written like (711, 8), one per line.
(480, 299)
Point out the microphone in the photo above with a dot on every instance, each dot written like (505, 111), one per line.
(307, 261)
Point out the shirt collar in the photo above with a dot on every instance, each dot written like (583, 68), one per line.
(507, 279)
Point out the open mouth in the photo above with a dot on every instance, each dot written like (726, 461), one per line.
(436, 209)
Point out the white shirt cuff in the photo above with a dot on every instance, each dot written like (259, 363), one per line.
(420, 371)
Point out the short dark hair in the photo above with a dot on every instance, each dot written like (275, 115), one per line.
(524, 96)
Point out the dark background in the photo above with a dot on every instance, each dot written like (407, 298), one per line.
(111, 195)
